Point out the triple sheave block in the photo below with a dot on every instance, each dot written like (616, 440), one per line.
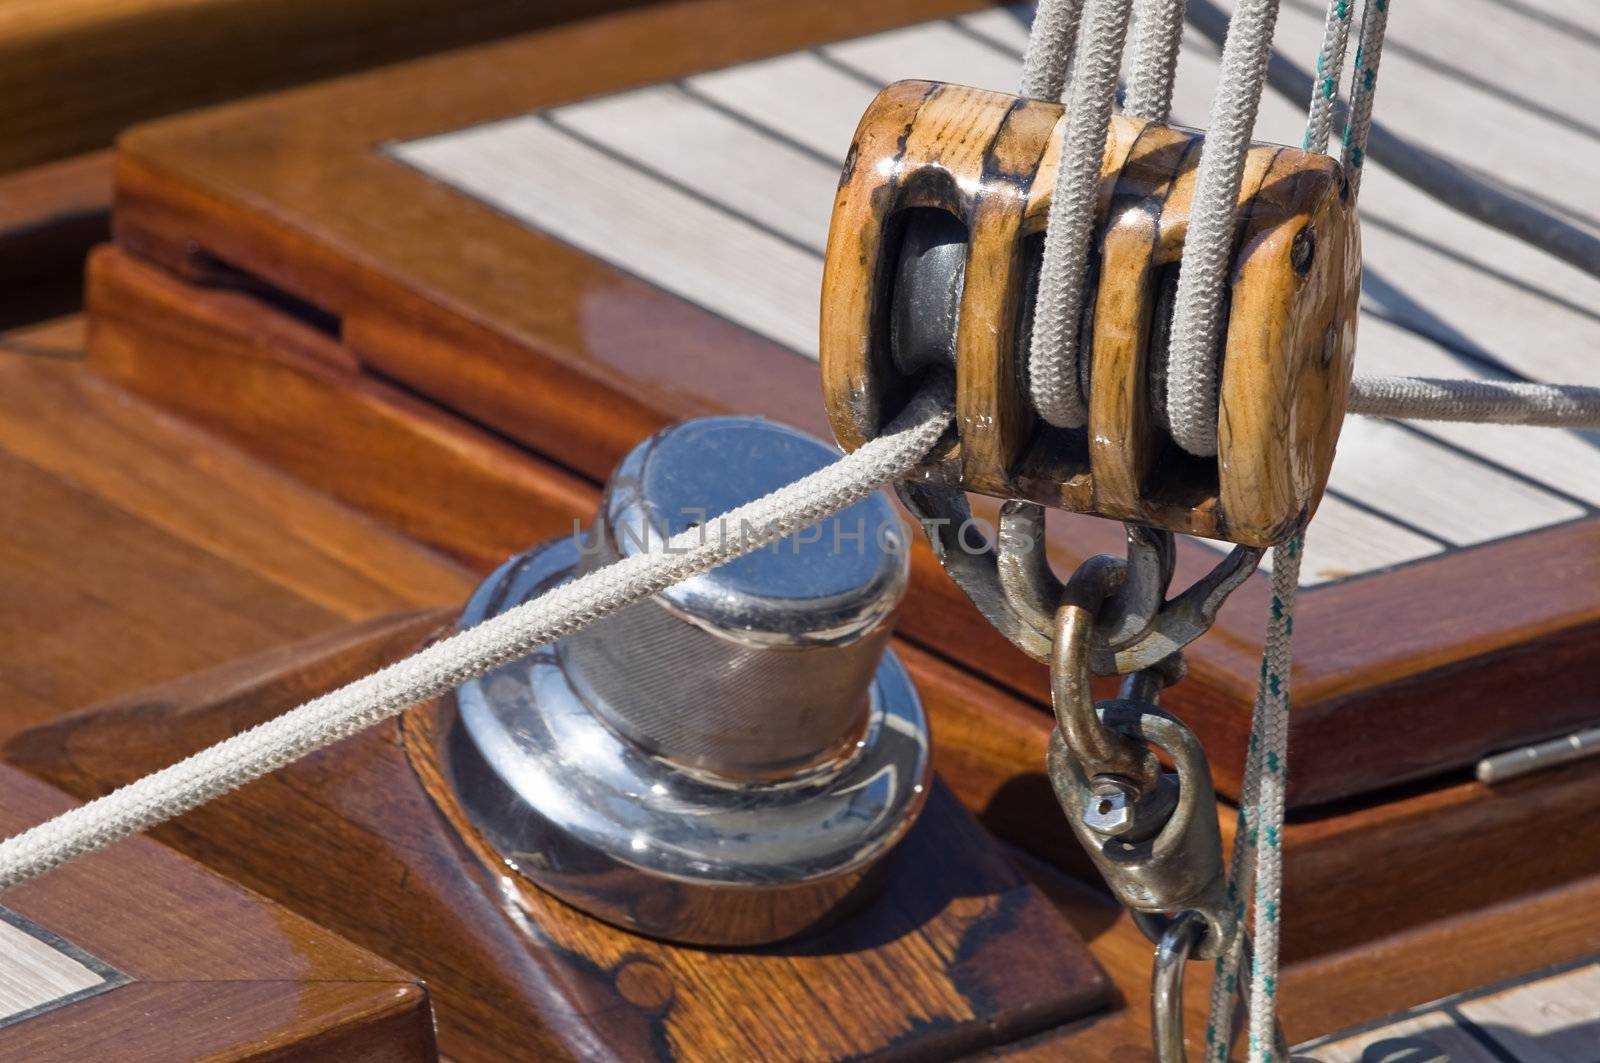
(933, 260)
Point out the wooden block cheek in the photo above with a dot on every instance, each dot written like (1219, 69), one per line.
(1325, 328)
(1286, 368)
(1122, 444)
(860, 384)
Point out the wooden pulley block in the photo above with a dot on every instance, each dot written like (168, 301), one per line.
(933, 259)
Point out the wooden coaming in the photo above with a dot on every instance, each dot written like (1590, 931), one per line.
(137, 549)
(213, 970)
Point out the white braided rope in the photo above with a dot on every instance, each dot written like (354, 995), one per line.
(445, 665)
(1208, 245)
(1063, 276)
(1330, 67)
(1484, 401)
(1157, 35)
(1049, 55)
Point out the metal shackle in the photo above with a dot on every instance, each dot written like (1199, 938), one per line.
(932, 265)
(725, 763)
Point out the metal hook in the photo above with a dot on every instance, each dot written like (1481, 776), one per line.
(1169, 856)
(1176, 945)
(1173, 953)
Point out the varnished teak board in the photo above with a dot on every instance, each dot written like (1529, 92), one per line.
(538, 342)
(136, 549)
(202, 968)
(76, 72)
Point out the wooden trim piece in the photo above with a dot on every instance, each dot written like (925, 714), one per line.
(76, 72)
(212, 970)
(290, 394)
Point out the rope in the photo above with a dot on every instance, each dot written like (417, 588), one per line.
(1458, 187)
(1208, 246)
(1053, 371)
(445, 665)
(1330, 65)
(1363, 87)
(1257, 842)
(1049, 54)
(1157, 35)
(1483, 401)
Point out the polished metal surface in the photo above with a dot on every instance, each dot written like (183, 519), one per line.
(1515, 763)
(724, 765)
(758, 668)
(1170, 858)
(1014, 589)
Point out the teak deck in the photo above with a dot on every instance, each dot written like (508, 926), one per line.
(159, 958)
(507, 288)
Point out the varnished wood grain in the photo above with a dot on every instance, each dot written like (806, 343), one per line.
(136, 549)
(78, 71)
(291, 394)
(958, 953)
(217, 972)
(50, 215)
(1349, 988)
(1354, 874)
(595, 360)
(1287, 353)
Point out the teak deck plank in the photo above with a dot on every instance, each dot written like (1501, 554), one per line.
(520, 333)
(213, 971)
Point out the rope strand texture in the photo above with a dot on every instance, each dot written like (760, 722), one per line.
(1484, 401)
(1063, 276)
(445, 665)
(1049, 54)
(1363, 88)
(1330, 68)
(1203, 271)
(1157, 35)
(1257, 857)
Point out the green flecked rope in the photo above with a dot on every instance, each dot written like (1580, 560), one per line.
(1256, 864)
(1257, 858)
(1330, 66)
(1363, 87)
